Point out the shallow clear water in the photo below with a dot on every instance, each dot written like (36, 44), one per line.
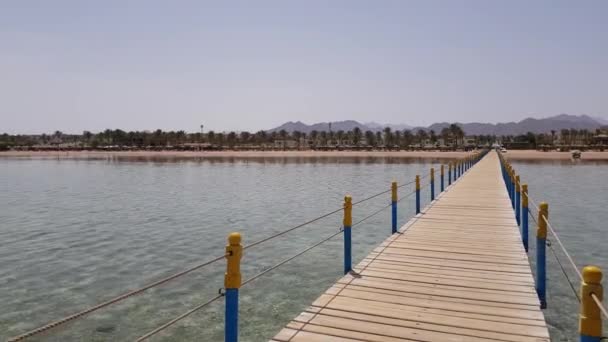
(577, 194)
(76, 232)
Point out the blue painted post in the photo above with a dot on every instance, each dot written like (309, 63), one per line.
(541, 260)
(590, 316)
(394, 206)
(517, 201)
(417, 194)
(513, 188)
(232, 283)
(449, 173)
(442, 176)
(348, 222)
(524, 215)
(432, 184)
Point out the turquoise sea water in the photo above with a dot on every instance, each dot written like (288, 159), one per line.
(76, 232)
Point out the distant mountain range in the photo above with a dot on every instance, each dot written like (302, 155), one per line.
(545, 125)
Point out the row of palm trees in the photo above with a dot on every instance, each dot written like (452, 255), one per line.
(452, 135)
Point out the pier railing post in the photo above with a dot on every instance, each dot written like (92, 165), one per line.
(432, 184)
(512, 181)
(590, 317)
(450, 173)
(394, 207)
(417, 194)
(442, 176)
(232, 283)
(524, 215)
(347, 224)
(517, 201)
(541, 259)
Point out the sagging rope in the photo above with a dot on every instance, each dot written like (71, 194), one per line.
(112, 301)
(561, 266)
(196, 267)
(559, 241)
(182, 316)
(170, 278)
(570, 259)
(189, 312)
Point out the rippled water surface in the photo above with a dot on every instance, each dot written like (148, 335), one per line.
(577, 194)
(76, 232)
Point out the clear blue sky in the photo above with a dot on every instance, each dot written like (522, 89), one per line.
(76, 65)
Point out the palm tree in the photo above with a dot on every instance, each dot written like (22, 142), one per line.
(421, 136)
(407, 137)
(553, 137)
(457, 133)
(340, 137)
(244, 137)
(397, 138)
(231, 139)
(313, 136)
(378, 137)
(357, 135)
(388, 136)
(370, 138)
(445, 135)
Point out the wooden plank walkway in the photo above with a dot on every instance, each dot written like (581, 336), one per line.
(455, 272)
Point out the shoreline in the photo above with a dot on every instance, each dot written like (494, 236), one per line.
(231, 154)
(514, 155)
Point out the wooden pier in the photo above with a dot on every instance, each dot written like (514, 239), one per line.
(455, 272)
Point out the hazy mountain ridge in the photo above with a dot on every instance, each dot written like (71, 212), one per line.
(544, 125)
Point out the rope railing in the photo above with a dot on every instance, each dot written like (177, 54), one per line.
(169, 278)
(591, 292)
(599, 304)
(281, 263)
(189, 312)
(113, 301)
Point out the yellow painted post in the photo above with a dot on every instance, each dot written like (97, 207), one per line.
(524, 215)
(512, 179)
(432, 184)
(450, 173)
(232, 283)
(417, 194)
(394, 206)
(590, 317)
(541, 259)
(517, 200)
(442, 177)
(348, 222)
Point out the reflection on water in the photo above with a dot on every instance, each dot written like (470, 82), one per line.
(76, 232)
(175, 158)
(559, 161)
(577, 196)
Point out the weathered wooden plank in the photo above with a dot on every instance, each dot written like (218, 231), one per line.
(455, 272)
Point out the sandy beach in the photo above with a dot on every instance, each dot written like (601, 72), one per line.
(234, 154)
(532, 155)
(523, 155)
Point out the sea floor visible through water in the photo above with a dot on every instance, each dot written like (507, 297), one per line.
(76, 232)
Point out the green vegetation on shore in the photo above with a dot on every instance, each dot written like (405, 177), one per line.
(450, 138)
